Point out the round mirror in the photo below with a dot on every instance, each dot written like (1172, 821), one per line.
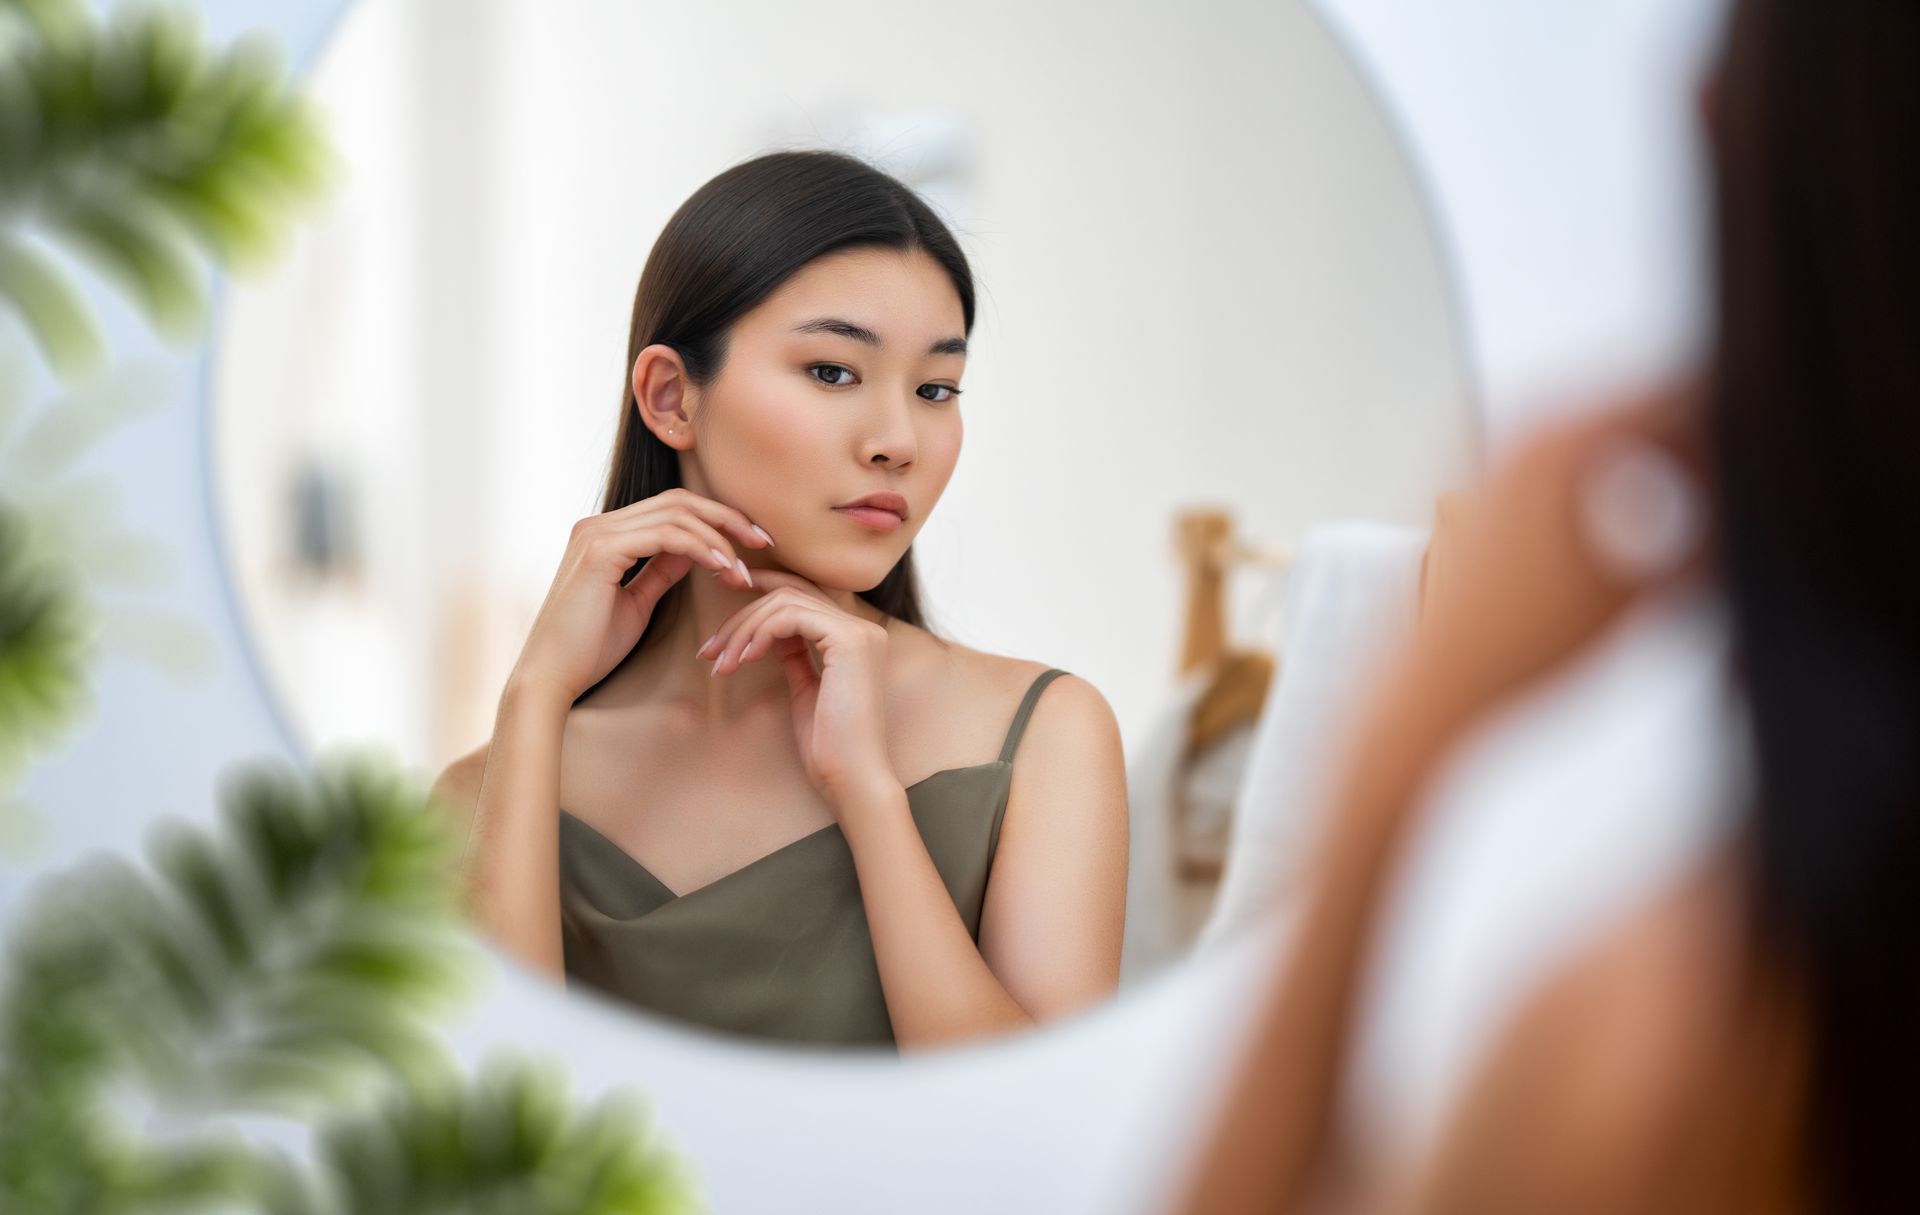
(1212, 315)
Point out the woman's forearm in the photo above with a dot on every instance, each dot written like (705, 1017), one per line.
(937, 986)
(1271, 1138)
(511, 867)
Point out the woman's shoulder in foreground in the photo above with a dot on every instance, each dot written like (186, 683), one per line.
(1643, 1069)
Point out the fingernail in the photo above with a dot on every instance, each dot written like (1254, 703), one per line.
(702, 651)
(763, 534)
(718, 555)
(744, 571)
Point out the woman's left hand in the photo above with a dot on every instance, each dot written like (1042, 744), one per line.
(839, 712)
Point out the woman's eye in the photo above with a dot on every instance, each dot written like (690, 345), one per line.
(817, 367)
(953, 394)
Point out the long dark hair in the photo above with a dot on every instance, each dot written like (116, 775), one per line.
(1818, 445)
(727, 248)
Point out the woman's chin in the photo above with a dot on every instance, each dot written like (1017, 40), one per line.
(850, 572)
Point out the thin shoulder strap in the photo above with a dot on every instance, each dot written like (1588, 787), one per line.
(1026, 710)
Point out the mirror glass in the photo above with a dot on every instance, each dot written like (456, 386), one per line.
(1213, 315)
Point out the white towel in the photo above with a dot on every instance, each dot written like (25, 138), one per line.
(1354, 595)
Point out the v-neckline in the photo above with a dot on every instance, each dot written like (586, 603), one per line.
(789, 846)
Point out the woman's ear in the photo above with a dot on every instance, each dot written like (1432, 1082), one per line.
(659, 393)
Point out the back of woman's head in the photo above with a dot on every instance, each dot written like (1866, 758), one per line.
(724, 251)
(1818, 450)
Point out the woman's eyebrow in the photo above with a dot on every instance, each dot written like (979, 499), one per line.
(860, 333)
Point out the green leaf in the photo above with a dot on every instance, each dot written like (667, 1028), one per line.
(145, 150)
(139, 247)
(70, 427)
(55, 311)
(47, 648)
(216, 893)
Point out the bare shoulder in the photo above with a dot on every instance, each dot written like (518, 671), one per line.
(1641, 1006)
(1071, 744)
(1070, 713)
(1587, 1085)
(1070, 716)
(966, 699)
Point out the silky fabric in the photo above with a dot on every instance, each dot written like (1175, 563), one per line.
(778, 948)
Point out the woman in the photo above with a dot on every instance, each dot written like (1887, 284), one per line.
(1746, 1043)
(696, 796)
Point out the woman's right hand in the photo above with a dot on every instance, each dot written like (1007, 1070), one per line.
(589, 622)
(1525, 580)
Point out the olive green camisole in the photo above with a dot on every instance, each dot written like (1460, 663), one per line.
(778, 948)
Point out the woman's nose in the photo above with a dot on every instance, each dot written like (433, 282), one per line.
(893, 443)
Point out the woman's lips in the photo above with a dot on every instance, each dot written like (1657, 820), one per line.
(882, 520)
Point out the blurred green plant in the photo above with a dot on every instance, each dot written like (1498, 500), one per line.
(61, 543)
(293, 969)
(136, 147)
(131, 142)
(46, 632)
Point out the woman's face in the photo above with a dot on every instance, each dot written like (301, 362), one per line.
(840, 384)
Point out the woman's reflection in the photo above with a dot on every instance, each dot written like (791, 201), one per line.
(773, 805)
